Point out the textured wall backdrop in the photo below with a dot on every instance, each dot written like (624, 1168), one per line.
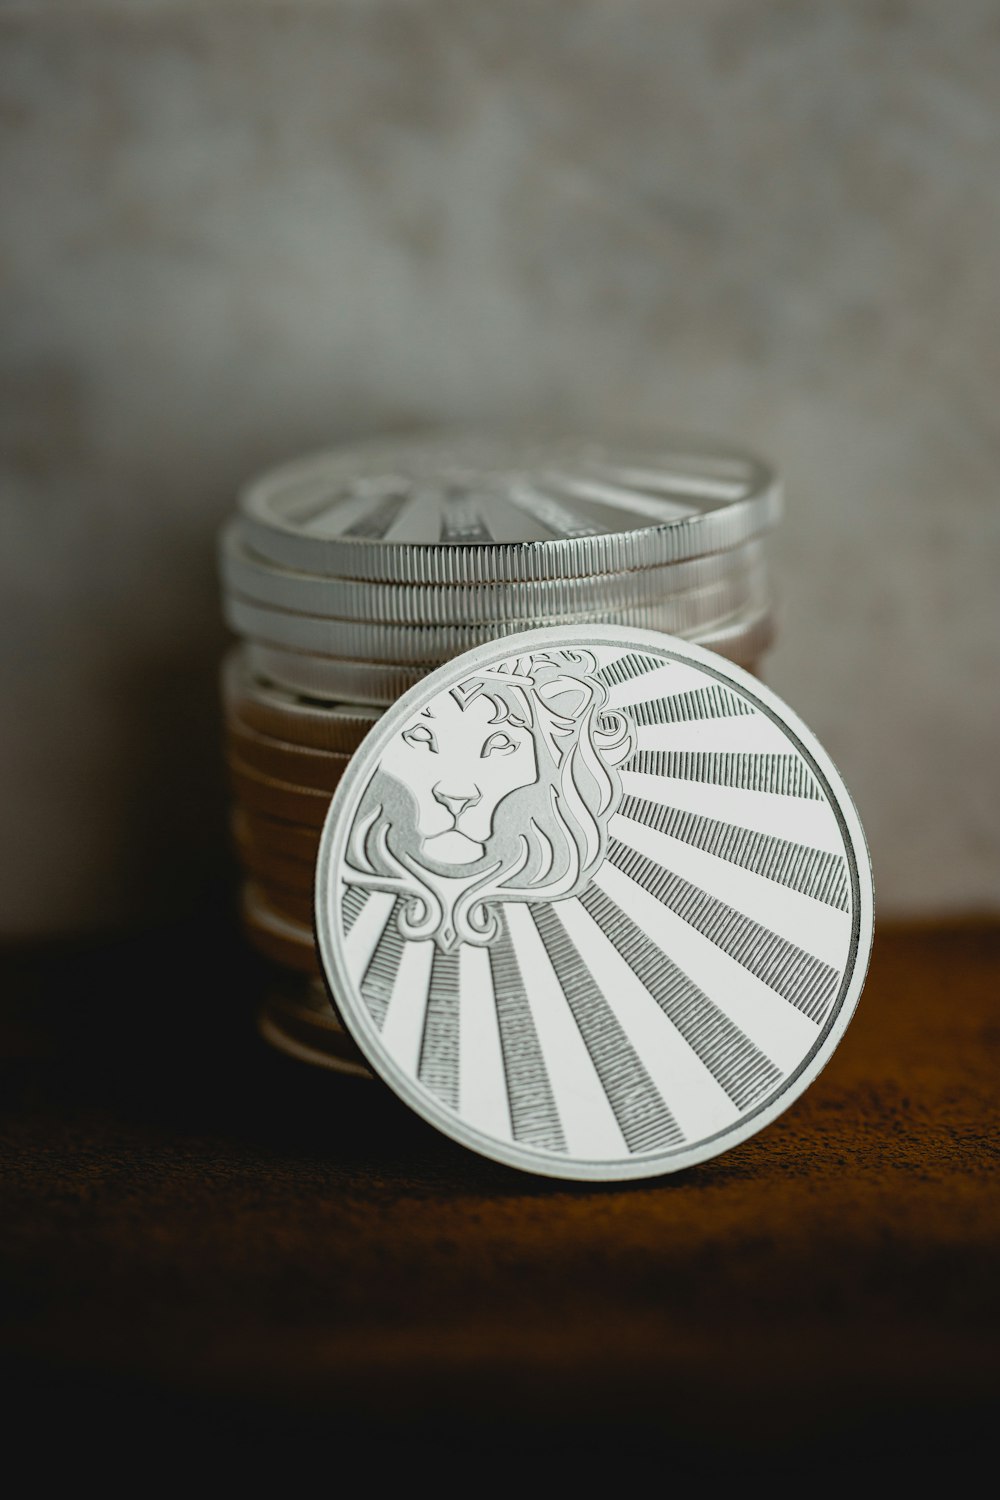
(236, 230)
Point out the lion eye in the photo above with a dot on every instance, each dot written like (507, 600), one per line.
(420, 735)
(500, 743)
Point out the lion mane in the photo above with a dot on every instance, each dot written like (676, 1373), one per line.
(547, 839)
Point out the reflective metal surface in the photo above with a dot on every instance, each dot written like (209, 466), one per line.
(685, 613)
(468, 509)
(256, 581)
(285, 714)
(594, 902)
(352, 575)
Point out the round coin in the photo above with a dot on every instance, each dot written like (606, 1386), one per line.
(302, 1031)
(594, 902)
(743, 640)
(451, 509)
(362, 682)
(289, 904)
(683, 613)
(321, 769)
(257, 581)
(283, 941)
(287, 715)
(272, 870)
(278, 799)
(273, 837)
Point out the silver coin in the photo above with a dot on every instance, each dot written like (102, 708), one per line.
(288, 715)
(274, 838)
(594, 902)
(289, 904)
(470, 509)
(742, 640)
(283, 941)
(283, 800)
(302, 1032)
(273, 870)
(361, 682)
(305, 993)
(314, 997)
(693, 610)
(302, 766)
(267, 867)
(256, 581)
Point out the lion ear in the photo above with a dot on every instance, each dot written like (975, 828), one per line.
(565, 696)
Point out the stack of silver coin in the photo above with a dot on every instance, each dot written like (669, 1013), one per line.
(350, 574)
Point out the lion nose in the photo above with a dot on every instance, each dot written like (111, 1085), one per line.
(456, 802)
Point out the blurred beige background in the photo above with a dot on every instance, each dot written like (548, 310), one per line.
(239, 229)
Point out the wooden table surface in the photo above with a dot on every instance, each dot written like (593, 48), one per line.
(196, 1229)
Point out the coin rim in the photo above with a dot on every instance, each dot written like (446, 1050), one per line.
(371, 684)
(336, 830)
(257, 580)
(314, 722)
(271, 1031)
(701, 609)
(669, 541)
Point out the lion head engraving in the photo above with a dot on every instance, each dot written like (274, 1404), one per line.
(500, 789)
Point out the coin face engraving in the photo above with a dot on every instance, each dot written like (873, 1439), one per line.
(594, 902)
(500, 789)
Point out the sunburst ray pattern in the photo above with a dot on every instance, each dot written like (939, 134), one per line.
(674, 993)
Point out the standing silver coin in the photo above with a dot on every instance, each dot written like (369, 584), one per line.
(594, 902)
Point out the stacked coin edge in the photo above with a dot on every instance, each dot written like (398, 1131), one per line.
(349, 575)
